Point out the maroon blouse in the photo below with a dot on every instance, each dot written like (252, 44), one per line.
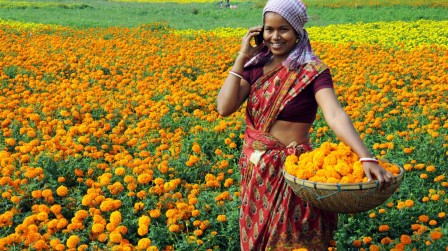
(303, 108)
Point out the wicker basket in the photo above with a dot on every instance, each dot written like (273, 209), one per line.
(342, 198)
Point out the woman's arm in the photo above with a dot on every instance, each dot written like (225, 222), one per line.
(338, 120)
(235, 89)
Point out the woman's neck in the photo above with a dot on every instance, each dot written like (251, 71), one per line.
(275, 60)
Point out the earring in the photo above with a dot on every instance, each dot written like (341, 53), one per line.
(297, 40)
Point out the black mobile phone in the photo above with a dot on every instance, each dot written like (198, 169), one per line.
(259, 38)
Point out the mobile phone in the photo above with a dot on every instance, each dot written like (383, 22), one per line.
(259, 38)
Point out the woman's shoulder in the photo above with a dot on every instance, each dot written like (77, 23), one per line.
(252, 73)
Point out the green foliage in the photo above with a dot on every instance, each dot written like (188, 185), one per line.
(196, 15)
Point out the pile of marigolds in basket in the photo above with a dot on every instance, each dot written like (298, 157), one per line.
(331, 163)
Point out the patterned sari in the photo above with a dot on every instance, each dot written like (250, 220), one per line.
(272, 217)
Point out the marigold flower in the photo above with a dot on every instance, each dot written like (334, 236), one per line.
(383, 228)
(115, 217)
(174, 228)
(423, 218)
(221, 218)
(42, 216)
(144, 243)
(386, 240)
(120, 171)
(142, 230)
(62, 191)
(115, 237)
(374, 248)
(36, 194)
(97, 228)
(409, 203)
(72, 241)
(435, 235)
(435, 197)
(367, 240)
(405, 239)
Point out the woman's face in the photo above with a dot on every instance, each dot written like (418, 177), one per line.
(279, 35)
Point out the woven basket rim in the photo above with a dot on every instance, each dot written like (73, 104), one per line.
(339, 186)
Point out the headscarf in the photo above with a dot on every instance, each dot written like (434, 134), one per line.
(294, 11)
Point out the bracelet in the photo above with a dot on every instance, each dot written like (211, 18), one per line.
(244, 54)
(236, 74)
(373, 160)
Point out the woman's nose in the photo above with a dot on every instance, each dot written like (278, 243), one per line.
(276, 35)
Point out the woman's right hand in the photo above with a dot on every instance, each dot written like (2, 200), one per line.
(247, 49)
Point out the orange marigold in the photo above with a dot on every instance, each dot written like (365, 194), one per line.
(423, 218)
(62, 191)
(383, 228)
(435, 235)
(405, 239)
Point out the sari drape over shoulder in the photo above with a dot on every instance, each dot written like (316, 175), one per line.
(272, 217)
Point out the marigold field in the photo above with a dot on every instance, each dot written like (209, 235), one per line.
(110, 139)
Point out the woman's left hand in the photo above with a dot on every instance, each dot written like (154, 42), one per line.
(384, 177)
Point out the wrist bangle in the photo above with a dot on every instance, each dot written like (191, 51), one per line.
(236, 74)
(244, 54)
(373, 160)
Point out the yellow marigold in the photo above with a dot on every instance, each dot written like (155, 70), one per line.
(72, 241)
(120, 171)
(115, 237)
(142, 230)
(115, 217)
(97, 228)
(221, 218)
(144, 243)
(174, 228)
(10, 141)
(144, 220)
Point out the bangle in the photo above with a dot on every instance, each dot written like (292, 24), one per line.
(244, 54)
(236, 74)
(373, 160)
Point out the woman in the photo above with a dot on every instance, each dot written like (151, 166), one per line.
(283, 83)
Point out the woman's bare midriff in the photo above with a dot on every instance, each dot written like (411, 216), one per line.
(288, 132)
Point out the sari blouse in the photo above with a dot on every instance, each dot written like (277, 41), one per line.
(303, 108)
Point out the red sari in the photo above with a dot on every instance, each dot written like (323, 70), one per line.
(272, 217)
